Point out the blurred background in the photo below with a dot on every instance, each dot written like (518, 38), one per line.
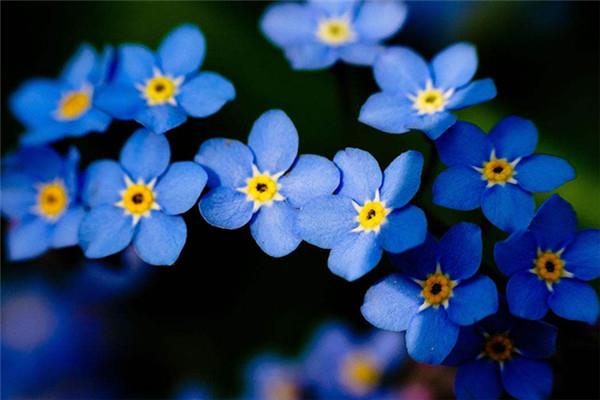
(120, 329)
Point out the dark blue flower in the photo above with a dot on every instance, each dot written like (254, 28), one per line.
(317, 34)
(548, 264)
(160, 90)
(419, 96)
(40, 197)
(437, 293)
(271, 377)
(264, 183)
(52, 109)
(368, 214)
(497, 172)
(139, 200)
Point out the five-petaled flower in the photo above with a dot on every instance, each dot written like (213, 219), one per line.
(548, 263)
(161, 90)
(497, 172)
(317, 34)
(140, 199)
(67, 106)
(368, 214)
(437, 293)
(419, 96)
(264, 183)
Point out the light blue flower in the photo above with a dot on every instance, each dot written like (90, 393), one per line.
(160, 90)
(497, 172)
(419, 96)
(264, 183)
(438, 293)
(317, 34)
(368, 214)
(40, 197)
(52, 109)
(270, 376)
(139, 200)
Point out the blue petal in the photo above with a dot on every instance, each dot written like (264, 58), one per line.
(582, 256)
(405, 228)
(145, 155)
(527, 379)
(478, 380)
(420, 261)
(135, 64)
(227, 162)
(334, 8)
(360, 53)
(534, 339)
(92, 121)
(40, 163)
(35, 101)
(454, 66)
(508, 207)
(473, 300)
(433, 125)
(71, 171)
(475, 92)
(458, 188)
(273, 228)
(527, 295)
(401, 179)
(120, 101)
(361, 175)
(355, 255)
(182, 50)
(554, 224)
(206, 94)
(179, 188)
(28, 239)
(391, 303)
(543, 173)
(468, 346)
(325, 220)
(311, 176)
(401, 70)
(310, 56)
(464, 144)
(431, 336)
(514, 137)
(160, 238)
(44, 134)
(575, 300)
(225, 208)
(287, 24)
(105, 230)
(386, 112)
(66, 230)
(460, 250)
(379, 20)
(274, 141)
(80, 66)
(161, 118)
(18, 193)
(104, 180)
(516, 253)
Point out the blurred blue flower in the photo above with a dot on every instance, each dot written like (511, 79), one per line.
(317, 34)
(497, 172)
(40, 197)
(264, 183)
(368, 214)
(160, 90)
(435, 274)
(270, 377)
(503, 352)
(419, 96)
(139, 200)
(192, 391)
(548, 263)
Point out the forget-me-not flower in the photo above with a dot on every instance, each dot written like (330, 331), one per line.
(40, 197)
(160, 90)
(436, 295)
(548, 264)
(497, 172)
(139, 199)
(317, 34)
(52, 109)
(263, 183)
(368, 214)
(271, 377)
(419, 96)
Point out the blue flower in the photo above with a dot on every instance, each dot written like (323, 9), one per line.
(317, 34)
(419, 96)
(40, 197)
(139, 200)
(437, 293)
(270, 377)
(342, 365)
(368, 214)
(264, 183)
(503, 352)
(161, 90)
(548, 263)
(497, 172)
(52, 109)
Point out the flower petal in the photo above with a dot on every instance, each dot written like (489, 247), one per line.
(534, 339)
(274, 141)
(458, 188)
(145, 155)
(517, 253)
(135, 64)
(431, 336)
(420, 261)
(35, 101)
(325, 220)
(161, 118)
(182, 50)
(80, 66)
(311, 176)
(41, 163)
(473, 300)
(527, 296)
(160, 238)
(227, 162)
(460, 250)
(18, 193)
(105, 230)
(179, 188)
(514, 137)
(379, 20)
(405, 228)
(575, 300)
(543, 173)
(120, 101)
(66, 230)
(554, 224)
(334, 8)
(28, 239)
(464, 144)
(433, 125)
(360, 53)
(582, 256)
(361, 176)
(468, 346)
(273, 228)
(527, 379)
(206, 94)
(388, 113)
(401, 179)
(508, 207)
(355, 255)
(478, 379)
(454, 66)
(104, 180)
(401, 70)
(476, 92)
(287, 24)
(311, 56)
(225, 208)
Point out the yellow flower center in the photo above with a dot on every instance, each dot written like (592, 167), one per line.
(499, 347)
(335, 31)
(160, 89)
(262, 188)
(372, 215)
(52, 199)
(360, 373)
(73, 104)
(437, 289)
(430, 100)
(138, 199)
(549, 267)
(498, 171)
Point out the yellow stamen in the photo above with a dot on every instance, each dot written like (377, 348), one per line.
(138, 199)
(335, 31)
(430, 100)
(73, 105)
(262, 188)
(160, 89)
(371, 215)
(52, 199)
(360, 373)
(499, 347)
